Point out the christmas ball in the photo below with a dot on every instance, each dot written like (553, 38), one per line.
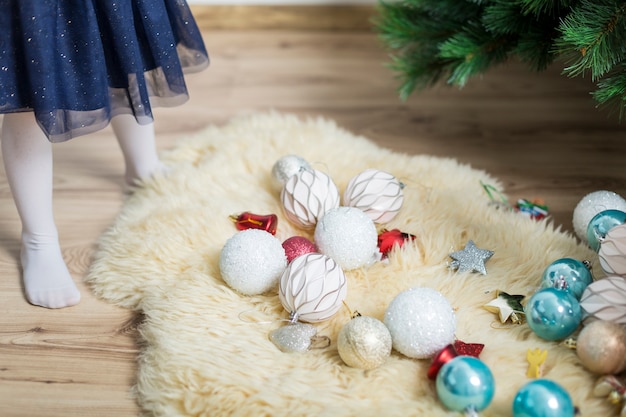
(312, 288)
(252, 261)
(364, 343)
(307, 196)
(421, 322)
(294, 337)
(296, 246)
(592, 204)
(465, 383)
(605, 299)
(377, 193)
(288, 166)
(612, 252)
(553, 314)
(543, 398)
(573, 272)
(347, 235)
(601, 347)
(601, 224)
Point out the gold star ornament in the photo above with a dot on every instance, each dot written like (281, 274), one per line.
(507, 307)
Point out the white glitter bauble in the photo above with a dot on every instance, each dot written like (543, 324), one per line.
(378, 193)
(307, 196)
(364, 343)
(592, 204)
(288, 166)
(312, 288)
(347, 235)
(421, 322)
(252, 261)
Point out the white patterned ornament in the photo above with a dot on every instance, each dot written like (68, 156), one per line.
(612, 252)
(252, 261)
(312, 288)
(421, 322)
(307, 196)
(592, 204)
(288, 166)
(378, 193)
(605, 299)
(348, 236)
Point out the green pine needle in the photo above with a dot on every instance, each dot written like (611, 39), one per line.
(455, 40)
(612, 91)
(593, 36)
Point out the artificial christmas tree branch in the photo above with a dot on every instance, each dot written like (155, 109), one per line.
(431, 40)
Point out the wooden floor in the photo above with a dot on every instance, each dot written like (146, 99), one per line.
(539, 133)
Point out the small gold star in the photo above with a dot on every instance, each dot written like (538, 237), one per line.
(507, 307)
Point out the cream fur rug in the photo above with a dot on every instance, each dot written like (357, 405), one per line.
(205, 348)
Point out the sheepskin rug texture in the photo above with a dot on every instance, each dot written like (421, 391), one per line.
(205, 348)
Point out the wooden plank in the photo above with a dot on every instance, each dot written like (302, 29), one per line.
(303, 17)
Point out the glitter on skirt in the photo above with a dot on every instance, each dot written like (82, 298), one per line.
(77, 63)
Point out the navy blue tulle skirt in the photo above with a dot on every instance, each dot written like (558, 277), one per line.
(77, 63)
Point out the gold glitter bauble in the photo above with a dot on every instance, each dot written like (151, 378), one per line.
(601, 347)
(364, 342)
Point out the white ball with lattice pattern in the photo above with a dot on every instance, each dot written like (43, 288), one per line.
(312, 288)
(307, 196)
(377, 193)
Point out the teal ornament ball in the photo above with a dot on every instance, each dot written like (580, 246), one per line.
(600, 225)
(465, 383)
(574, 272)
(553, 314)
(543, 398)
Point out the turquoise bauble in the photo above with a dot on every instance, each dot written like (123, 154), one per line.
(574, 272)
(600, 225)
(553, 314)
(543, 398)
(465, 383)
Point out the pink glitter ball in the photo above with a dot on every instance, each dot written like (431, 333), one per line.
(296, 246)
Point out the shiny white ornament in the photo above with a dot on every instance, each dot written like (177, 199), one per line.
(312, 288)
(378, 193)
(421, 322)
(347, 235)
(364, 343)
(612, 252)
(307, 196)
(252, 261)
(592, 204)
(288, 166)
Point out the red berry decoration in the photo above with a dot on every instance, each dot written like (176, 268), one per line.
(296, 246)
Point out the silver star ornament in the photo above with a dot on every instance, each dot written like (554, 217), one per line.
(471, 259)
